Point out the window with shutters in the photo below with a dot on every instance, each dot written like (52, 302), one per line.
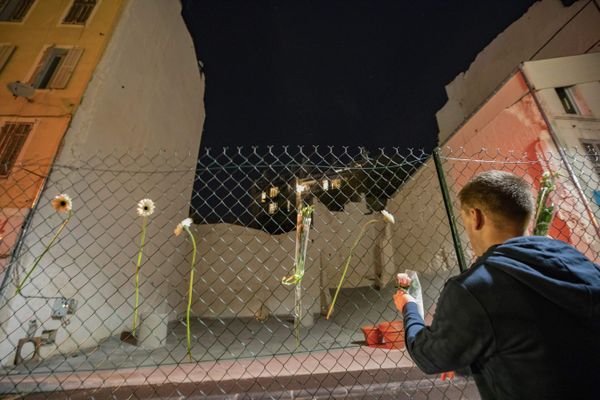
(14, 10)
(56, 67)
(79, 12)
(12, 138)
(6, 50)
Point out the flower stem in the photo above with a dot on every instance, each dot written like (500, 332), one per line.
(543, 194)
(299, 274)
(190, 293)
(137, 275)
(298, 311)
(39, 258)
(544, 212)
(337, 291)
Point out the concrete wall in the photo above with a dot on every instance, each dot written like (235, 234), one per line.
(240, 269)
(142, 113)
(547, 30)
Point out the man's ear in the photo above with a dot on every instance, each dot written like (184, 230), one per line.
(478, 218)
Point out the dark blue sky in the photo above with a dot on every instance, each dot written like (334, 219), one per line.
(344, 72)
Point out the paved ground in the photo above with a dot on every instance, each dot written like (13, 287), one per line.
(213, 340)
(233, 338)
(384, 384)
(359, 372)
(457, 390)
(244, 359)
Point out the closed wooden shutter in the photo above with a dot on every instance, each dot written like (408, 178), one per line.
(14, 10)
(5, 53)
(65, 70)
(21, 10)
(3, 4)
(12, 139)
(80, 12)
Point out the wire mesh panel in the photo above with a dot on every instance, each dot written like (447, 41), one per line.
(269, 288)
(575, 205)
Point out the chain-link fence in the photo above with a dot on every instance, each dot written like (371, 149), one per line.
(111, 309)
(576, 197)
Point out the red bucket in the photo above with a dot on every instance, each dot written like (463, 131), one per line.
(393, 333)
(372, 335)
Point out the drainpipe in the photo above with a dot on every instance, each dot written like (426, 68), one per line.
(14, 255)
(561, 151)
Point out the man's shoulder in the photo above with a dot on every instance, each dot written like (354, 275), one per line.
(478, 275)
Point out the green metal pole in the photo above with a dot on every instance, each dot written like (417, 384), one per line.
(462, 265)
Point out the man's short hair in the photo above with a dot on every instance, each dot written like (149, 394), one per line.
(505, 196)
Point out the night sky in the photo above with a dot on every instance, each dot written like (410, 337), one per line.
(343, 72)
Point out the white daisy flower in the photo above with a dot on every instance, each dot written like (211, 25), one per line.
(145, 208)
(62, 203)
(388, 217)
(187, 222)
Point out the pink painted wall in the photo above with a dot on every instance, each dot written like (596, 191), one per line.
(509, 133)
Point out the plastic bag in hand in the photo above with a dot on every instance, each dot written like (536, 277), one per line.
(415, 290)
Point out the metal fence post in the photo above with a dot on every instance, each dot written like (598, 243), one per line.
(449, 213)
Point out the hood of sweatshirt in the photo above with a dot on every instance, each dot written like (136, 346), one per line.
(554, 270)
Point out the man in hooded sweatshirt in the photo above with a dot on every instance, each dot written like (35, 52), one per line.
(525, 317)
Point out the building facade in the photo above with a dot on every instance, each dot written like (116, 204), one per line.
(132, 99)
(548, 112)
(493, 114)
(549, 29)
(48, 52)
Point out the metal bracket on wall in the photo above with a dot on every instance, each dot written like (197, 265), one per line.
(63, 306)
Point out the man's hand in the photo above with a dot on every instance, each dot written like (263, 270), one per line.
(401, 298)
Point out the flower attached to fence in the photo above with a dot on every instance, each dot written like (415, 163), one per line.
(185, 226)
(302, 230)
(62, 204)
(388, 218)
(303, 221)
(145, 208)
(544, 212)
